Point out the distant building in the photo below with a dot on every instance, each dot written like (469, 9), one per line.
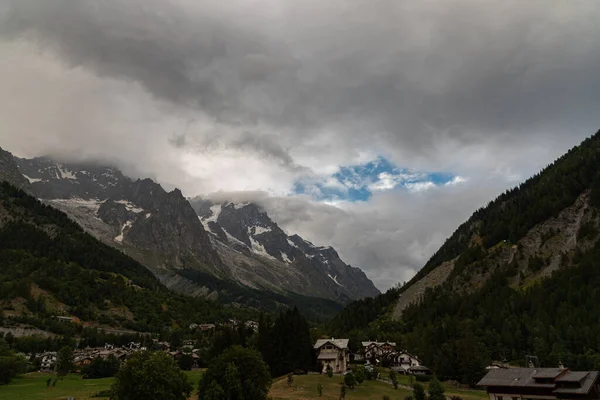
(206, 327)
(377, 350)
(333, 353)
(540, 383)
(64, 319)
(251, 325)
(48, 361)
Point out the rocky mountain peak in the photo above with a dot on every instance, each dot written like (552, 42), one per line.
(179, 238)
(247, 228)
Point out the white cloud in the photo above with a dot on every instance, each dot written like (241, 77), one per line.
(456, 180)
(419, 186)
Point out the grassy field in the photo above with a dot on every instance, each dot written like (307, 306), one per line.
(305, 387)
(464, 393)
(33, 387)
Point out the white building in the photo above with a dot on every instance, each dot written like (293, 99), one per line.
(334, 354)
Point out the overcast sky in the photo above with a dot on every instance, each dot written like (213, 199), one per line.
(375, 126)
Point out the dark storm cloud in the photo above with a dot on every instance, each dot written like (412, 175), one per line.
(402, 73)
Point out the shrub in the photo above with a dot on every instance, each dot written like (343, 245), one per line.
(423, 378)
(150, 375)
(418, 391)
(350, 380)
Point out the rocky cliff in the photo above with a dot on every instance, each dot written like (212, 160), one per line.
(187, 244)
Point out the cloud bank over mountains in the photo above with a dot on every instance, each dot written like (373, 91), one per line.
(375, 126)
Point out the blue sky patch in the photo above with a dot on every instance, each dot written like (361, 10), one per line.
(359, 182)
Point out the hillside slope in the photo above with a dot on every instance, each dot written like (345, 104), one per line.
(518, 278)
(50, 266)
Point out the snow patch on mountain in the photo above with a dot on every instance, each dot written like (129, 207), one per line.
(32, 180)
(130, 206)
(64, 172)
(334, 278)
(238, 206)
(258, 230)
(259, 249)
(92, 204)
(126, 225)
(285, 258)
(214, 214)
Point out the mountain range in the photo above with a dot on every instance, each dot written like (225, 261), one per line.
(230, 251)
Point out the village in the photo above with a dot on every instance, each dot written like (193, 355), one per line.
(334, 357)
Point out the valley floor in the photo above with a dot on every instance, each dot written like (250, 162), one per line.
(33, 387)
(305, 387)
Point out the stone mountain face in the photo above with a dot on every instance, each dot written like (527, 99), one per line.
(173, 237)
(253, 236)
(10, 172)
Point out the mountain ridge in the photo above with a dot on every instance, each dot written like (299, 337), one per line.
(163, 231)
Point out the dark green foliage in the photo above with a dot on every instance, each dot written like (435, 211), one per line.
(394, 379)
(11, 364)
(290, 378)
(536, 263)
(320, 390)
(343, 392)
(556, 320)
(237, 370)
(149, 375)
(329, 372)
(350, 380)
(418, 391)
(286, 345)
(101, 368)
(359, 374)
(595, 192)
(360, 313)
(186, 362)
(315, 309)
(386, 397)
(422, 378)
(42, 246)
(436, 390)
(587, 230)
(515, 212)
(64, 361)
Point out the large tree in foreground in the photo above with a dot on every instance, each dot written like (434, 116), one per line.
(237, 374)
(149, 375)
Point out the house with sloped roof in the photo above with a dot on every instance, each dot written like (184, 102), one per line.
(540, 384)
(333, 353)
(376, 350)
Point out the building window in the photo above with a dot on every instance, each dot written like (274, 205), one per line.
(499, 397)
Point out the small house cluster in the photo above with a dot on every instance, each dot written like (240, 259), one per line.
(335, 354)
(84, 357)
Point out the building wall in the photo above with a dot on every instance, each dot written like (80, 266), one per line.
(519, 396)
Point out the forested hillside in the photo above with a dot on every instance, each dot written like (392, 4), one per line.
(50, 266)
(523, 281)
